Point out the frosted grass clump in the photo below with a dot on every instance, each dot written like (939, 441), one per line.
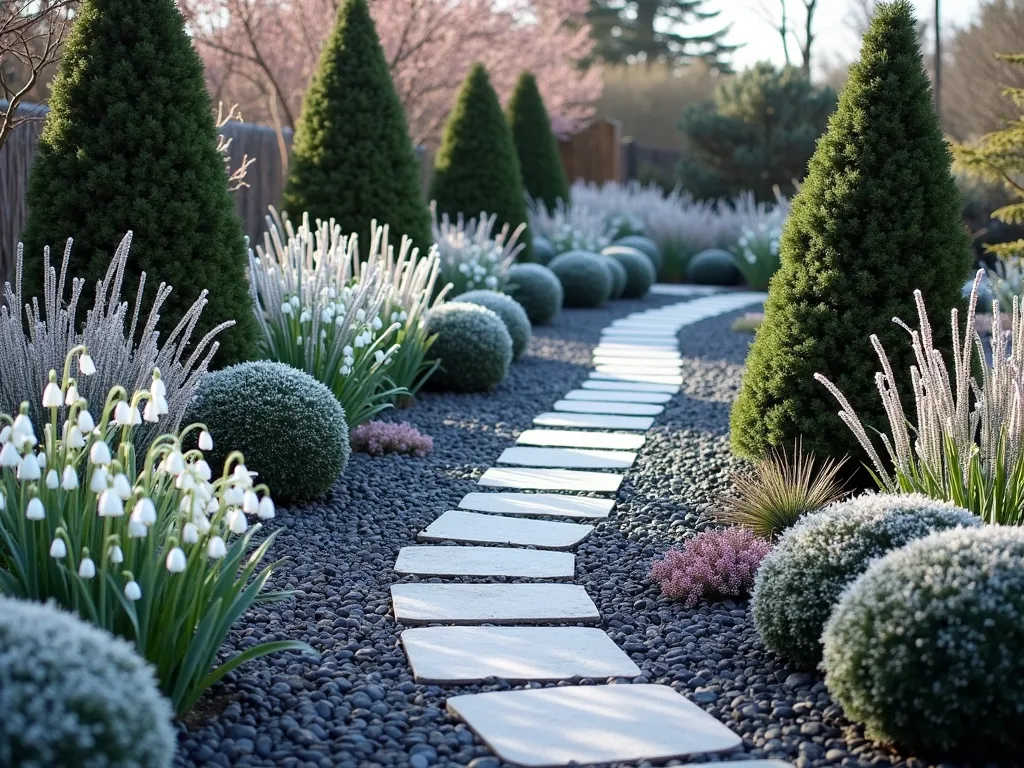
(757, 254)
(814, 561)
(73, 695)
(570, 227)
(924, 648)
(471, 255)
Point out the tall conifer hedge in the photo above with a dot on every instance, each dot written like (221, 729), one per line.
(536, 145)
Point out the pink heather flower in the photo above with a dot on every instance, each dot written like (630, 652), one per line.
(712, 564)
(380, 437)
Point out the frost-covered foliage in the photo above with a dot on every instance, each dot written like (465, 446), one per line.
(537, 289)
(640, 274)
(1002, 284)
(74, 695)
(925, 647)
(512, 314)
(289, 426)
(473, 345)
(586, 281)
(570, 227)
(713, 564)
(617, 272)
(378, 438)
(37, 333)
(472, 256)
(801, 580)
(757, 254)
(646, 246)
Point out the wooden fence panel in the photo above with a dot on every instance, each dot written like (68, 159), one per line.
(593, 154)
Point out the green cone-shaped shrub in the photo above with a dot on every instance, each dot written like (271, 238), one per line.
(586, 280)
(877, 217)
(536, 145)
(130, 144)
(537, 289)
(640, 273)
(352, 159)
(476, 168)
(511, 312)
(473, 346)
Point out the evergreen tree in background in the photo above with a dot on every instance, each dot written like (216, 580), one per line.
(130, 144)
(536, 145)
(476, 168)
(759, 132)
(877, 217)
(352, 158)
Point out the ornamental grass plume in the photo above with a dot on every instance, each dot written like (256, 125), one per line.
(569, 227)
(713, 564)
(965, 444)
(470, 257)
(378, 438)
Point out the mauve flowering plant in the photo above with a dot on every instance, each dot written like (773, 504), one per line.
(713, 564)
(380, 437)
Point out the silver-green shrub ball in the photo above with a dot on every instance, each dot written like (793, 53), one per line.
(473, 345)
(74, 696)
(290, 427)
(640, 274)
(543, 250)
(801, 579)
(586, 281)
(512, 314)
(925, 648)
(537, 289)
(713, 267)
(646, 246)
(618, 275)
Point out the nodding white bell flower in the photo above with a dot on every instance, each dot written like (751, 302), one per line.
(202, 469)
(185, 482)
(339, 320)
(100, 453)
(216, 549)
(347, 351)
(35, 510)
(144, 512)
(201, 523)
(212, 506)
(250, 503)
(149, 413)
(136, 530)
(189, 533)
(198, 503)
(29, 468)
(41, 458)
(58, 550)
(133, 591)
(122, 414)
(135, 417)
(394, 317)
(52, 480)
(360, 315)
(9, 456)
(174, 463)
(345, 370)
(298, 341)
(402, 316)
(176, 560)
(266, 508)
(76, 440)
(52, 396)
(237, 522)
(70, 479)
(3, 502)
(359, 341)
(306, 316)
(122, 486)
(294, 300)
(87, 568)
(234, 496)
(241, 476)
(156, 386)
(379, 356)
(115, 555)
(110, 504)
(5, 433)
(162, 409)
(286, 308)
(377, 324)
(205, 441)
(98, 483)
(85, 422)
(327, 314)
(23, 426)
(22, 441)
(85, 365)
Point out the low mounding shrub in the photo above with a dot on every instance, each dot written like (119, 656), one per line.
(74, 695)
(512, 314)
(381, 437)
(586, 281)
(619, 277)
(801, 580)
(473, 346)
(925, 647)
(713, 267)
(289, 426)
(647, 247)
(537, 289)
(543, 250)
(640, 273)
(713, 564)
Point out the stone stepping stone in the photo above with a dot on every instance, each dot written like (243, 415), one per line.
(610, 385)
(658, 346)
(474, 528)
(637, 369)
(485, 561)
(643, 353)
(593, 724)
(493, 604)
(551, 480)
(605, 396)
(619, 409)
(613, 358)
(539, 505)
(466, 655)
(569, 438)
(593, 421)
(567, 458)
(638, 378)
(639, 336)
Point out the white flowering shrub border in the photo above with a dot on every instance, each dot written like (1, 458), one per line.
(472, 256)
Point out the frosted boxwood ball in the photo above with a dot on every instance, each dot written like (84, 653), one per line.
(288, 425)
(618, 274)
(586, 281)
(543, 250)
(713, 267)
(73, 695)
(646, 246)
(473, 345)
(800, 581)
(511, 313)
(925, 647)
(640, 274)
(537, 289)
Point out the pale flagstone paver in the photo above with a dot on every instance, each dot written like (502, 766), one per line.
(567, 458)
(642, 378)
(605, 396)
(551, 480)
(572, 438)
(593, 724)
(623, 336)
(641, 352)
(492, 604)
(636, 365)
(485, 561)
(465, 655)
(593, 421)
(615, 358)
(619, 409)
(668, 346)
(628, 386)
(475, 528)
(539, 505)
(673, 289)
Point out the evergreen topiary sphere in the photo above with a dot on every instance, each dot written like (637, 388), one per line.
(473, 345)
(713, 267)
(640, 274)
(73, 695)
(543, 250)
(586, 281)
(537, 289)
(647, 247)
(618, 275)
(290, 428)
(512, 314)
(925, 647)
(801, 579)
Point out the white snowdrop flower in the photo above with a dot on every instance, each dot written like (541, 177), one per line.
(402, 316)
(133, 591)
(115, 554)
(266, 508)
(122, 486)
(52, 480)
(234, 496)
(34, 510)
(144, 512)
(5, 433)
(136, 530)
(394, 317)
(332, 292)
(349, 361)
(236, 522)
(203, 470)
(185, 482)
(377, 324)
(176, 561)
(52, 396)
(359, 342)
(29, 468)
(3, 502)
(110, 504)
(85, 422)
(162, 409)
(100, 453)
(174, 463)
(149, 413)
(58, 550)
(23, 425)
(379, 356)
(190, 534)
(205, 441)
(156, 387)
(135, 417)
(327, 314)
(70, 479)
(41, 458)
(87, 568)
(286, 308)
(241, 476)
(98, 483)
(298, 341)
(202, 523)
(339, 321)
(294, 300)
(345, 370)
(9, 456)
(360, 314)
(305, 317)
(85, 365)
(212, 506)
(215, 550)
(76, 440)
(250, 503)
